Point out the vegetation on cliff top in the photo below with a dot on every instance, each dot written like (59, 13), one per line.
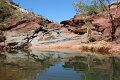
(11, 14)
(81, 7)
(95, 7)
(5, 10)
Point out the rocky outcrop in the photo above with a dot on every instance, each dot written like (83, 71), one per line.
(20, 24)
(17, 24)
(2, 37)
(73, 22)
(101, 25)
(74, 31)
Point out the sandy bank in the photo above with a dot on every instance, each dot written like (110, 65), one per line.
(99, 47)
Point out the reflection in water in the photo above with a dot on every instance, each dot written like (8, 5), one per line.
(24, 65)
(115, 63)
(95, 69)
(83, 68)
(58, 72)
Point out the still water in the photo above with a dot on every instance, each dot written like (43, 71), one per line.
(58, 65)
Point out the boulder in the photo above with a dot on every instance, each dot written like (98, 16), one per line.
(80, 32)
(2, 38)
(73, 22)
(12, 44)
(67, 22)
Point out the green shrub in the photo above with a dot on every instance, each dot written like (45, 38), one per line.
(81, 7)
(5, 10)
(44, 22)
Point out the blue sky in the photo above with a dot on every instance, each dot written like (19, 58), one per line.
(56, 10)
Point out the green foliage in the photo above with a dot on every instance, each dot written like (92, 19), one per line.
(21, 15)
(88, 24)
(81, 7)
(44, 22)
(5, 10)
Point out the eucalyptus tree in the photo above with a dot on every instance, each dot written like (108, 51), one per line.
(94, 7)
(107, 7)
(87, 8)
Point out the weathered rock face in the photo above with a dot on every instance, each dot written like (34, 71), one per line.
(74, 22)
(101, 25)
(20, 24)
(2, 37)
(18, 27)
(53, 25)
(67, 22)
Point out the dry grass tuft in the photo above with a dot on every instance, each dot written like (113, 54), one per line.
(100, 47)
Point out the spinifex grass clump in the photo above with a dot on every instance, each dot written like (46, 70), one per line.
(5, 10)
(100, 47)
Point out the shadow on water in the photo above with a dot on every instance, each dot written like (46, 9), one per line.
(45, 65)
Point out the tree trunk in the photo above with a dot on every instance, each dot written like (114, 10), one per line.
(113, 27)
(113, 32)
